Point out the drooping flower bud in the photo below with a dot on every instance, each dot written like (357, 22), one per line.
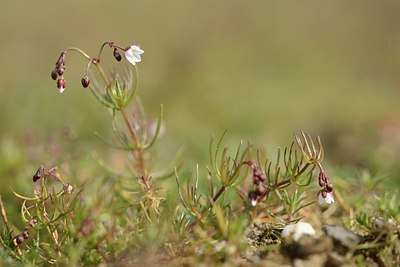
(20, 239)
(38, 174)
(261, 191)
(329, 187)
(117, 55)
(61, 70)
(25, 233)
(54, 74)
(253, 196)
(85, 81)
(61, 85)
(321, 182)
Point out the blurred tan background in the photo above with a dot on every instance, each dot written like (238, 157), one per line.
(262, 69)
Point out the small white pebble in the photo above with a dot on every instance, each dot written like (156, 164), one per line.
(297, 230)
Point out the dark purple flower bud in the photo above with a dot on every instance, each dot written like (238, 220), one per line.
(25, 233)
(329, 188)
(117, 55)
(85, 81)
(260, 191)
(38, 173)
(324, 193)
(321, 182)
(253, 198)
(326, 179)
(32, 222)
(60, 71)
(61, 85)
(262, 177)
(256, 180)
(20, 239)
(54, 74)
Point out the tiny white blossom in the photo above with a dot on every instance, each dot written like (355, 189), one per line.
(254, 202)
(297, 230)
(327, 200)
(61, 89)
(132, 54)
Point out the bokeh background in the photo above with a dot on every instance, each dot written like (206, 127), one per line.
(262, 69)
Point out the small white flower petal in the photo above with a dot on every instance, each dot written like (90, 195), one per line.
(132, 54)
(321, 199)
(329, 198)
(61, 89)
(254, 202)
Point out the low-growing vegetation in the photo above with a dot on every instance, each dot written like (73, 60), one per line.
(246, 207)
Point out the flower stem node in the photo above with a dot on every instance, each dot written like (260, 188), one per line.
(132, 54)
(296, 231)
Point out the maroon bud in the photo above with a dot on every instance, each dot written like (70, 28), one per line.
(61, 85)
(252, 195)
(25, 233)
(54, 74)
(261, 191)
(85, 81)
(60, 71)
(38, 173)
(32, 222)
(324, 193)
(256, 180)
(262, 177)
(20, 239)
(329, 187)
(321, 182)
(117, 55)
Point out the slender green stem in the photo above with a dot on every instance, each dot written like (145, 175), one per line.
(79, 51)
(101, 50)
(135, 139)
(102, 73)
(201, 216)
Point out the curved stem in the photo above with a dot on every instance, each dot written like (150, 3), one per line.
(101, 49)
(80, 51)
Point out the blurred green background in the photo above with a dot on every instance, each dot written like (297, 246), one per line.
(262, 69)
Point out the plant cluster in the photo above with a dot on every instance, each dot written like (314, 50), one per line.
(132, 218)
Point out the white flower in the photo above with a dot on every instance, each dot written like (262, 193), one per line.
(297, 230)
(328, 199)
(132, 54)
